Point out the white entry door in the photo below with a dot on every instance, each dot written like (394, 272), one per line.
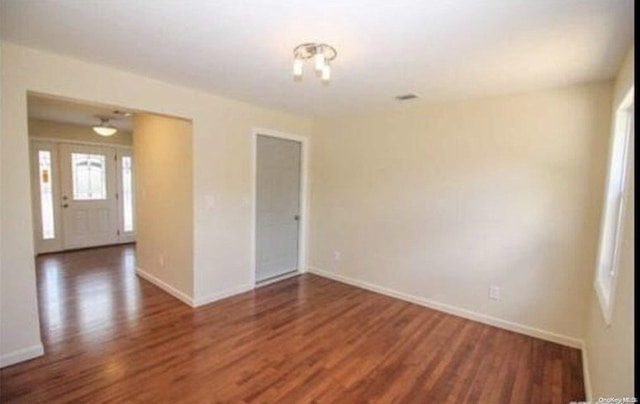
(277, 206)
(88, 197)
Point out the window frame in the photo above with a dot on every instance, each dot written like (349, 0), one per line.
(79, 195)
(42, 245)
(612, 226)
(126, 236)
(42, 197)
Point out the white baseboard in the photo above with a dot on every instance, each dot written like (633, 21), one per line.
(278, 278)
(183, 297)
(21, 355)
(456, 311)
(586, 376)
(201, 301)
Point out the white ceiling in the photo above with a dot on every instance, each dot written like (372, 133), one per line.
(243, 48)
(50, 109)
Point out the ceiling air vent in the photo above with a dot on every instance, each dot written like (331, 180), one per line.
(405, 97)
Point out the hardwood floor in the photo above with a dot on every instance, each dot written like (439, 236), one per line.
(112, 337)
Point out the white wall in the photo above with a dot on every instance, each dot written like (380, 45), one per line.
(221, 170)
(610, 349)
(19, 326)
(432, 200)
(163, 150)
(439, 201)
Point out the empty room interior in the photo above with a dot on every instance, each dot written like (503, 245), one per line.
(317, 202)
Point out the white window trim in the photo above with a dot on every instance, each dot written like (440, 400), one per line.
(606, 297)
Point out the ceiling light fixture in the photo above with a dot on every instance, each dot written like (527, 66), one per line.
(321, 53)
(105, 128)
(120, 112)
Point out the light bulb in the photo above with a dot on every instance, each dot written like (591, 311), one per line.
(319, 62)
(297, 67)
(326, 72)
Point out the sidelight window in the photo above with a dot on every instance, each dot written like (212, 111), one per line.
(46, 194)
(127, 193)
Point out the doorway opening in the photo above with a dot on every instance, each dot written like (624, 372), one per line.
(107, 211)
(279, 205)
(82, 183)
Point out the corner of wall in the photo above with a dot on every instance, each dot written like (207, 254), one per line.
(21, 355)
(586, 376)
(178, 294)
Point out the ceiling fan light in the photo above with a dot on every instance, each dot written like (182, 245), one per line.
(105, 128)
(320, 54)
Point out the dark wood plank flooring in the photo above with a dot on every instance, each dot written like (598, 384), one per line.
(112, 337)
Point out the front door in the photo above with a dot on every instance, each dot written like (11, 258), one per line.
(277, 206)
(88, 197)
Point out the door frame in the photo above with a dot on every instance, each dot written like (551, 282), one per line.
(109, 202)
(57, 245)
(305, 145)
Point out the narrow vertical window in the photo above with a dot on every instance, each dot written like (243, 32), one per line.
(46, 194)
(127, 193)
(614, 209)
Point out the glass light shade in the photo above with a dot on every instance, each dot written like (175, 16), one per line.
(326, 72)
(104, 130)
(297, 67)
(319, 62)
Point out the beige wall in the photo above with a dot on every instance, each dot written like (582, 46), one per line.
(164, 199)
(610, 349)
(78, 133)
(432, 200)
(439, 201)
(221, 172)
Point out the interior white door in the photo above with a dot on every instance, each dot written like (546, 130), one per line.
(88, 200)
(277, 206)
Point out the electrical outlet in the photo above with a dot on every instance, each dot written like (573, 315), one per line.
(337, 256)
(494, 292)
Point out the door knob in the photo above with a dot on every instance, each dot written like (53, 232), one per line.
(64, 198)
(66, 205)
(296, 217)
